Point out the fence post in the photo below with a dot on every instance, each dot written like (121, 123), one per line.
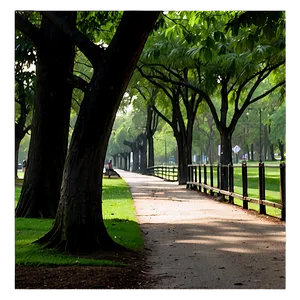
(189, 177)
(195, 169)
(282, 190)
(211, 179)
(230, 181)
(218, 177)
(205, 178)
(200, 178)
(261, 187)
(245, 184)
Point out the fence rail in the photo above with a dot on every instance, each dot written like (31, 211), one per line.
(169, 173)
(198, 180)
(211, 178)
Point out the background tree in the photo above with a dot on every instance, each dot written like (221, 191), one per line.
(48, 145)
(24, 90)
(231, 63)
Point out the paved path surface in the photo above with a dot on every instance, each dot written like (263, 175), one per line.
(195, 242)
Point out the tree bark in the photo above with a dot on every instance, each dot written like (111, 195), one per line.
(79, 225)
(151, 126)
(226, 156)
(50, 124)
(142, 145)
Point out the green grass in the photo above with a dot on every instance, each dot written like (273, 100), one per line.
(119, 219)
(272, 184)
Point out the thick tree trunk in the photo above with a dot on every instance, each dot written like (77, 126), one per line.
(184, 158)
(150, 152)
(136, 160)
(143, 152)
(50, 123)
(79, 225)
(226, 156)
(150, 130)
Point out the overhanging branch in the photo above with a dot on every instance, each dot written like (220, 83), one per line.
(25, 26)
(88, 48)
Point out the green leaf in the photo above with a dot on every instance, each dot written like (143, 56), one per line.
(250, 43)
(205, 54)
(222, 50)
(193, 52)
(232, 96)
(210, 43)
(192, 19)
(169, 29)
(218, 36)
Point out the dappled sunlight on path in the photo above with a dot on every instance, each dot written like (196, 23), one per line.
(194, 241)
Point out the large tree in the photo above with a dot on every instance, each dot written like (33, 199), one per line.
(232, 53)
(50, 121)
(79, 225)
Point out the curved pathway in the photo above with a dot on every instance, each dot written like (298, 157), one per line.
(195, 242)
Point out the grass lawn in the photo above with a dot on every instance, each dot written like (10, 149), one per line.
(272, 184)
(119, 218)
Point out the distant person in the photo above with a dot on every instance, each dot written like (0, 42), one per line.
(24, 165)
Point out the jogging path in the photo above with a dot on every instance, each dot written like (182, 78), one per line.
(196, 242)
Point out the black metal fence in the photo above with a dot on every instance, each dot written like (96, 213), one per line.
(169, 173)
(208, 178)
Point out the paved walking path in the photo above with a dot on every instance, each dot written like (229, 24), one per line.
(195, 242)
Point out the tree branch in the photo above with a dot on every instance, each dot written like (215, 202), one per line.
(149, 78)
(88, 48)
(76, 71)
(25, 26)
(267, 92)
(26, 130)
(162, 116)
(77, 82)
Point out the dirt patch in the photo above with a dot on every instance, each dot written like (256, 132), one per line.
(135, 275)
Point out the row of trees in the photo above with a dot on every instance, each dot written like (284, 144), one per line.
(195, 63)
(212, 63)
(205, 136)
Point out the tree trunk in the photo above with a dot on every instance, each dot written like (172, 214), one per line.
(17, 146)
(115, 156)
(252, 152)
(226, 156)
(151, 125)
(135, 152)
(19, 135)
(281, 149)
(143, 152)
(79, 225)
(50, 123)
(136, 160)
(184, 146)
(150, 152)
(128, 160)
